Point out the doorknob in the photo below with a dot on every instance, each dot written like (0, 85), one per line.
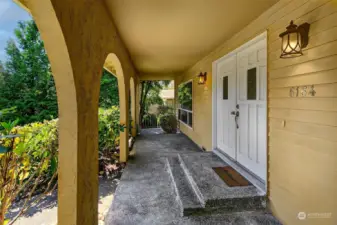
(237, 114)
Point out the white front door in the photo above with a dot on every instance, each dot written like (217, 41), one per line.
(226, 103)
(252, 106)
(241, 121)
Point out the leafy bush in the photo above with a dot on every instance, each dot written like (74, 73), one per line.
(28, 163)
(109, 128)
(38, 140)
(163, 109)
(168, 123)
(28, 157)
(109, 131)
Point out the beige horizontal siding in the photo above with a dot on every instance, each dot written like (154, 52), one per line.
(321, 77)
(309, 129)
(316, 104)
(308, 116)
(303, 130)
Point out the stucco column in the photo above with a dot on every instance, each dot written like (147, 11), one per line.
(137, 106)
(133, 107)
(123, 89)
(77, 48)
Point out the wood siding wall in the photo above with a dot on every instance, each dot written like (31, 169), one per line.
(302, 155)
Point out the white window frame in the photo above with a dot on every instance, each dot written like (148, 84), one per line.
(186, 110)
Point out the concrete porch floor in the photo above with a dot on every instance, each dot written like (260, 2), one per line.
(171, 181)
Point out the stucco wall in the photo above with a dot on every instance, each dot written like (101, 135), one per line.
(302, 155)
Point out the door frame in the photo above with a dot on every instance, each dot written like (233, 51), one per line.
(215, 63)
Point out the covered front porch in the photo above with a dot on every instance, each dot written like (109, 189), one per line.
(171, 181)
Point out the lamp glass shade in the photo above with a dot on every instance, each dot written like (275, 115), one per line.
(202, 78)
(291, 42)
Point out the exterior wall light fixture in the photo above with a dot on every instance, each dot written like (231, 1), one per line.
(294, 39)
(202, 78)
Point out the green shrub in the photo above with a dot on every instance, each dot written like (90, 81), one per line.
(168, 123)
(28, 163)
(109, 131)
(109, 128)
(163, 109)
(39, 141)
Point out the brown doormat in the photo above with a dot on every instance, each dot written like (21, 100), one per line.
(231, 177)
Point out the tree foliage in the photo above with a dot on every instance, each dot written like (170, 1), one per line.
(150, 91)
(109, 91)
(185, 95)
(27, 84)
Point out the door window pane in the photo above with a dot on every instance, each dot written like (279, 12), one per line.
(190, 119)
(225, 87)
(251, 84)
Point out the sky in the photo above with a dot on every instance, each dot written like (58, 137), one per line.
(10, 15)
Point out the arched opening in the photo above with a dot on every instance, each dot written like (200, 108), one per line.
(28, 125)
(113, 65)
(157, 104)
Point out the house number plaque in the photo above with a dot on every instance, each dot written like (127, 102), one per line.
(302, 91)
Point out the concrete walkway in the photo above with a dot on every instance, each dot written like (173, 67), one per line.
(171, 181)
(45, 211)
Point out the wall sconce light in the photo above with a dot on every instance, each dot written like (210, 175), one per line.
(294, 39)
(202, 77)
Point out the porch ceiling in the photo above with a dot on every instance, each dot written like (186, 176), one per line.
(170, 36)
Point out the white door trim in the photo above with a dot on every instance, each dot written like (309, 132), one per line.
(214, 86)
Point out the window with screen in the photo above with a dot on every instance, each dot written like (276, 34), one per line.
(185, 112)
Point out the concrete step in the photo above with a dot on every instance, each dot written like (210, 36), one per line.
(186, 196)
(212, 192)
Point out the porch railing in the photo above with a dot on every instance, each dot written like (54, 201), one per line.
(150, 121)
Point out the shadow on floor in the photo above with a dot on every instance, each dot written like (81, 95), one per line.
(106, 187)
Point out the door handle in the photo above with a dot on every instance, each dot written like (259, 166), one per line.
(237, 114)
